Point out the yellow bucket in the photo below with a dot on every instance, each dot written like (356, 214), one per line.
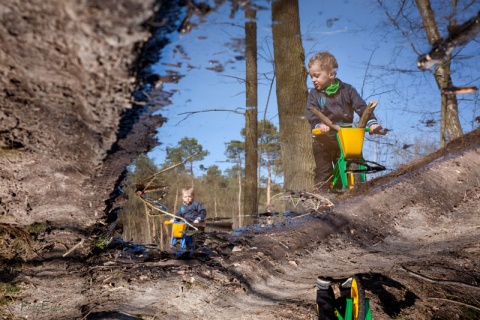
(178, 230)
(351, 140)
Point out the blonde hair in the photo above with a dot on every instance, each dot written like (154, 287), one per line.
(326, 60)
(188, 192)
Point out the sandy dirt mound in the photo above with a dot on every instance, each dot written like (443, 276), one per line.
(65, 81)
(69, 130)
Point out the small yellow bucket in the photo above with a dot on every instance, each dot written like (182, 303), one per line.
(351, 140)
(178, 230)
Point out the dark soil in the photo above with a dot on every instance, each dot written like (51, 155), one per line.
(69, 128)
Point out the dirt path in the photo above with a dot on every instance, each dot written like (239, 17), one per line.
(418, 256)
(70, 129)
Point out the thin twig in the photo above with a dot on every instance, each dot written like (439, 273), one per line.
(73, 248)
(303, 215)
(87, 314)
(167, 213)
(457, 302)
(322, 183)
(190, 113)
(278, 241)
(446, 282)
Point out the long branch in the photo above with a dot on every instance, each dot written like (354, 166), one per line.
(324, 119)
(167, 213)
(447, 282)
(457, 302)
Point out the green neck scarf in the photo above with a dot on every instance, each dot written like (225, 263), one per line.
(333, 88)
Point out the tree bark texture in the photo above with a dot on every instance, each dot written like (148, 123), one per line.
(250, 201)
(450, 122)
(291, 89)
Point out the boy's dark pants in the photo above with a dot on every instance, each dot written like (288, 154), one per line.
(326, 304)
(326, 153)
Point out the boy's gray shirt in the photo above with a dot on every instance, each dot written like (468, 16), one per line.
(193, 211)
(338, 107)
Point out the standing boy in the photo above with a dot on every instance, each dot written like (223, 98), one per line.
(338, 101)
(191, 210)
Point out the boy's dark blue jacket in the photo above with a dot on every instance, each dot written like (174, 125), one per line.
(338, 107)
(194, 210)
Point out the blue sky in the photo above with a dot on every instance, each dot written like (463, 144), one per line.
(348, 29)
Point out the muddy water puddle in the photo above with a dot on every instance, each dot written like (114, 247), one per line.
(153, 230)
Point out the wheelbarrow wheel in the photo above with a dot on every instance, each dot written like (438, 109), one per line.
(357, 293)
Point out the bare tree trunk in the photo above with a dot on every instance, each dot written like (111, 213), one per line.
(192, 175)
(269, 184)
(291, 91)
(250, 202)
(450, 122)
(176, 201)
(154, 233)
(240, 220)
(129, 227)
(161, 237)
(146, 235)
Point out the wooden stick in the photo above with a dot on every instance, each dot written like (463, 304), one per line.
(366, 114)
(324, 119)
(445, 282)
(167, 213)
(457, 302)
(73, 248)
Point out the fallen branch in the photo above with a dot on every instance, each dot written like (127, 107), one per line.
(313, 202)
(278, 241)
(167, 213)
(445, 282)
(73, 248)
(305, 214)
(457, 302)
